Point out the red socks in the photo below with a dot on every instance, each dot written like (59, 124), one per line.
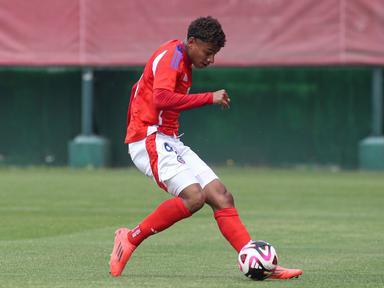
(231, 227)
(168, 213)
(174, 210)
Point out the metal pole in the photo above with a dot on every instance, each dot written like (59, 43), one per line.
(87, 102)
(377, 101)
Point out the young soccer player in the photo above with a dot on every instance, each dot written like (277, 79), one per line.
(155, 148)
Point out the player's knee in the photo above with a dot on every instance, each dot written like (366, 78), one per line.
(226, 197)
(198, 201)
(229, 198)
(218, 196)
(193, 197)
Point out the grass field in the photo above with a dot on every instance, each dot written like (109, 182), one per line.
(56, 229)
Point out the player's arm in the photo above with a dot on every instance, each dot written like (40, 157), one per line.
(166, 99)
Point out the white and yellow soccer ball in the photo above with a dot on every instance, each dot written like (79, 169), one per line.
(257, 260)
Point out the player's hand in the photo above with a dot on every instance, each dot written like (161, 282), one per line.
(221, 97)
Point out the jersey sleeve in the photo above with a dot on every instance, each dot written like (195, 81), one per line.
(165, 69)
(165, 99)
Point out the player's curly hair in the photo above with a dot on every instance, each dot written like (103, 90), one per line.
(207, 29)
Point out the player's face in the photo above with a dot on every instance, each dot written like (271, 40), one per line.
(201, 53)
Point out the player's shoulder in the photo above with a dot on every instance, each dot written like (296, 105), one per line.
(170, 48)
(172, 45)
(170, 52)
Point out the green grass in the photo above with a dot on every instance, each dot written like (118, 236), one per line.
(56, 229)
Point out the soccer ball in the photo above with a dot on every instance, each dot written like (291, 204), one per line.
(257, 260)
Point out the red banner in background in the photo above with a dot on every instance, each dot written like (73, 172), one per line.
(126, 32)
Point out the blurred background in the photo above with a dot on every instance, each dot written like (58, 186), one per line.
(305, 78)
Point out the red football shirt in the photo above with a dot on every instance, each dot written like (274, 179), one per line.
(168, 70)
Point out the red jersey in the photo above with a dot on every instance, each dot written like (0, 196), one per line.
(161, 93)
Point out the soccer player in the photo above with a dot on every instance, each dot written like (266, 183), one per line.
(155, 147)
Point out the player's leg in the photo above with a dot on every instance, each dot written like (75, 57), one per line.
(165, 215)
(183, 184)
(171, 173)
(170, 211)
(227, 218)
(219, 198)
